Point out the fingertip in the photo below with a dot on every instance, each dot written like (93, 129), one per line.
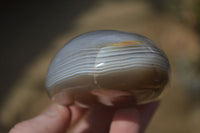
(56, 110)
(54, 119)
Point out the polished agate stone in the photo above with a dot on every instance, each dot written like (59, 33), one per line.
(112, 68)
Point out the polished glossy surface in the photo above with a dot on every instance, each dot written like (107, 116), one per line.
(113, 68)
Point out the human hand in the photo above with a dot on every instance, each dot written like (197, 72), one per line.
(100, 119)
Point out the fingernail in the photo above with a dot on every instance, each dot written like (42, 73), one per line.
(53, 110)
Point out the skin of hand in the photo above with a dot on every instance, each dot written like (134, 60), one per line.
(99, 119)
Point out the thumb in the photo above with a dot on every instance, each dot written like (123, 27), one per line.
(55, 119)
